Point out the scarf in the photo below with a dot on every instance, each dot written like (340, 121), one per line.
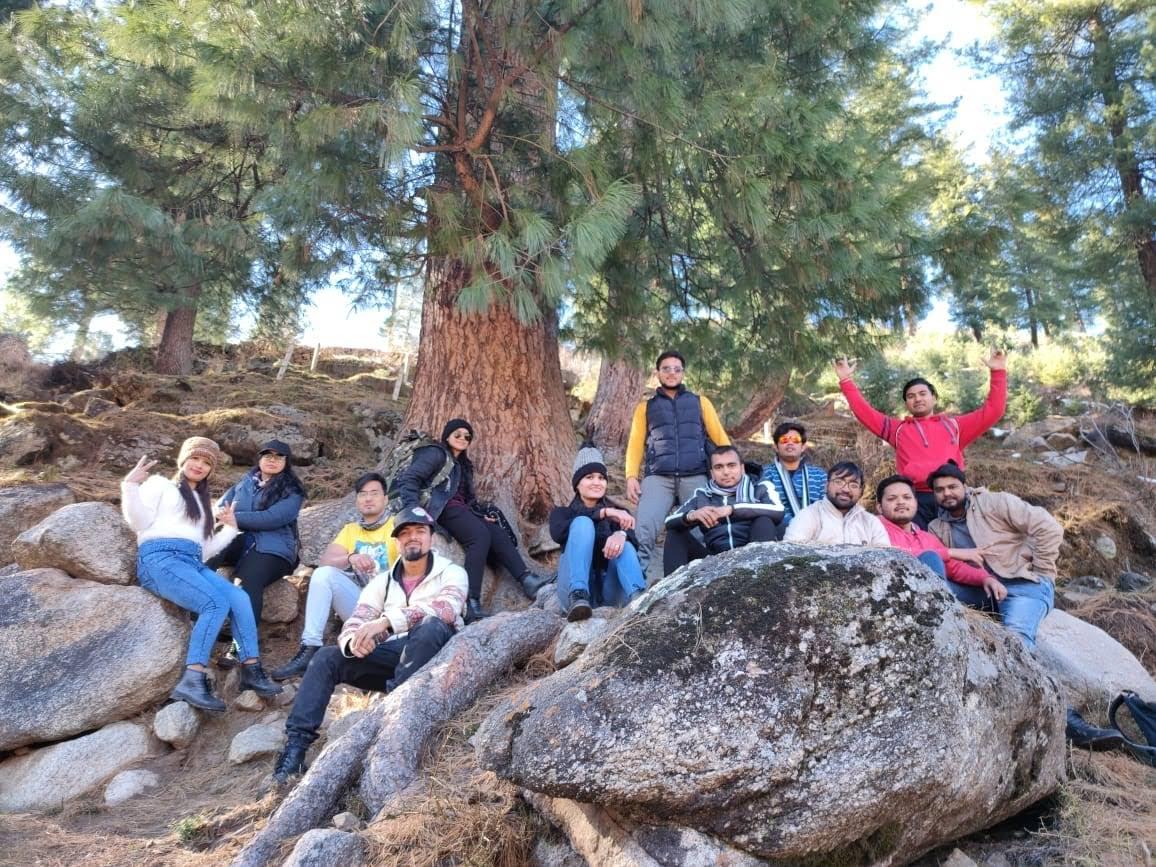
(789, 486)
(743, 492)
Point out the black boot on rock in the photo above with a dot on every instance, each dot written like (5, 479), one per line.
(532, 582)
(290, 762)
(579, 607)
(195, 689)
(474, 610)
(297, 664)
(1081, 733)
(253, 677)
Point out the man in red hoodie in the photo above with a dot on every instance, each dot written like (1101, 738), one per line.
(925, 439)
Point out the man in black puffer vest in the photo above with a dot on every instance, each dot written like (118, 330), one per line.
(666, 456)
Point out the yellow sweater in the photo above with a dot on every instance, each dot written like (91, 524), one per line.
(636, 445)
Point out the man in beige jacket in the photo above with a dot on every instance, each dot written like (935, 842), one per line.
(838, 519)
(1013, 540)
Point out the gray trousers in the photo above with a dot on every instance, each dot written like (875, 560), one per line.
(661, 495)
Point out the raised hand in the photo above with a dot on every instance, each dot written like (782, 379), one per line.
(996, 359)
(844, 368)
(140, 472)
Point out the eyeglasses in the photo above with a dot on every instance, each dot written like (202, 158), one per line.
(790, 438)
(668, 369)
(272, 455)
(849, 484)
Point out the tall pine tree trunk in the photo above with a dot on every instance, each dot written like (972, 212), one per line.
(762, 405)
(620, 386)
(504, 376)
(175, 353)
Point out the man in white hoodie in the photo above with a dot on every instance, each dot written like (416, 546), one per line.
(403, 617)
(839, 519)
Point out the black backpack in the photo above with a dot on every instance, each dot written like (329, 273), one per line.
(402, 456)
(1144, 715)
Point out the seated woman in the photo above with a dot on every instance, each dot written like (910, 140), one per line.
(452, 503)
(173, 520)
(599, 554)
(266, 502)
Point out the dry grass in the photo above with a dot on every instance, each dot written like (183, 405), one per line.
(1127, 617)
(459, 814)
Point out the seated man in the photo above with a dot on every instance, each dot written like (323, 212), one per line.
(895, 499)
(361, 550)
(797, 481)
(402, 619)
(838, 519)
(1016, 542)
(731, 511)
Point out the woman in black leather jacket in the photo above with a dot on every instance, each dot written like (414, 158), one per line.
(453, 504)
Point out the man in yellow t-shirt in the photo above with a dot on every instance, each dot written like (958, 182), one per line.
(361, 550)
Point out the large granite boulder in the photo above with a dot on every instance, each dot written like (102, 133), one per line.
(86, 540)
(803, 705)
(1091, 666)
(45, 779)
(75, 655)
(242, 439)
(24, 506)
(22, 442)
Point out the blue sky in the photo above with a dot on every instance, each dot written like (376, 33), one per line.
(979, 117)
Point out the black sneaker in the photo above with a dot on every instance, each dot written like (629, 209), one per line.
(297, 664)
(532, 582)
(1081, 733)
(579, 607)
(474, 610)
(290, 763)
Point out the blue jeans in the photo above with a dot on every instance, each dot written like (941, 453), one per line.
(172, 569)
(1026, 605)
(622, 576)
(933, 562)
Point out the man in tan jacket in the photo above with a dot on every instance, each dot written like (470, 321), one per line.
(1013, 540)
(838, 519)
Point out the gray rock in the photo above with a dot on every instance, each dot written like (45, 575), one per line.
(1106, 546)
(1064, 459)
(78, 400)
(318, 525)
(257, 740)
(1133, 582)
(326, 848)
(24, 506)
(75, 655)
(1090, 665)
(282, 602)
(127, 785)
(98, 406)
(45, 779)
(286, 696)
(347, 822)
(86, 540)
(795, 703)
(342, 724)
(1026, 434)
(576, 637)
(21, 442)
(550, 853)
(1087, 582)
(1039, 444)
(958, 859)
(1061, 441)
(249, 701)
(177, 724)
(243, 441)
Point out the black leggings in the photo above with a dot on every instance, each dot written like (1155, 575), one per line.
(256, 571)
(483, 541)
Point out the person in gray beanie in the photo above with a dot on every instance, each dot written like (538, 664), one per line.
(599, 563)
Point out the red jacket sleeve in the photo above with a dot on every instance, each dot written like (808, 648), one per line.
(958, 571)
(881, 425)
(972, 425)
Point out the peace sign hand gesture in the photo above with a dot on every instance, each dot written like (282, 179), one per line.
(140, 472)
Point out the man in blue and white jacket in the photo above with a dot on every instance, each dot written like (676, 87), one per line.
(731, 510)
(798, 482)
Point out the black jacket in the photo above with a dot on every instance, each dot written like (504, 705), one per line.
(415, 479)
(561, 517)
(676, 441)
(752, 500)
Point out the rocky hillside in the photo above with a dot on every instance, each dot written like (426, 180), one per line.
(100, 765)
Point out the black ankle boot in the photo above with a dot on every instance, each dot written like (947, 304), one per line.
(579, 607)
(194, 688)
(253, 677)
(1081, 733)
(474, 610)
(290, 762)
(296, 665)
(532, 583)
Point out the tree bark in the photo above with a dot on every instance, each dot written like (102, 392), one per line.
(387, 745)
(762, 405)
(505, 377)
(175, 353)
(621, 385)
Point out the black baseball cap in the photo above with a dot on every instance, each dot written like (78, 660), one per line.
(277, 447)
(412, 515)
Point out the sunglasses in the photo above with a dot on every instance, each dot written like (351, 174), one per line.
(790, 438)
(468, 437)
(272, 455)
